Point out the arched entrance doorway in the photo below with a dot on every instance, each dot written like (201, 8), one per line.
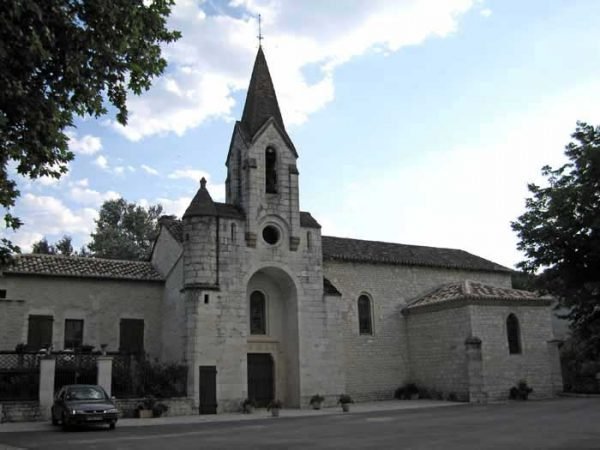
(272, 344)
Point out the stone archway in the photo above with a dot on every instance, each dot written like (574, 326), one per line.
(278, 336)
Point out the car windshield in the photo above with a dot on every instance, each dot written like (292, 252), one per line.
(85, 393)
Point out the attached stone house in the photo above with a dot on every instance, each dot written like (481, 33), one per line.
(258, 304)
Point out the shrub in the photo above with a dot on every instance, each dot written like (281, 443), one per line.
(521, 391)
(345, 398)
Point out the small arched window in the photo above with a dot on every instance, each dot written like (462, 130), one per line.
(233, 232)
(258, 313)
(270, 170)
(513, 334)
(365, 325)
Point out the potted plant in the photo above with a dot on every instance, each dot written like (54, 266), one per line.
(521, 391)
(248, 406)
(345, 401)
(316, 401)
(145, 410)
(274, 406)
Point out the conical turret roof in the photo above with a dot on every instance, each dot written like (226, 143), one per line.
(202, 204)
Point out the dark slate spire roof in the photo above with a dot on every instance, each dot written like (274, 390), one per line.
(82, 267)
(261, 101)
(202, 204)
(374, 252)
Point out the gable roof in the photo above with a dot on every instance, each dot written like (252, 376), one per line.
(375, 252)
(261, 101)
(472, 290)
(81, 267)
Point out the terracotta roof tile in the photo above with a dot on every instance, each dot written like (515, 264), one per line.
(471, 290)
(82, 267)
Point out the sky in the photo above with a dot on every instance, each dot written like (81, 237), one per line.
(416, 121)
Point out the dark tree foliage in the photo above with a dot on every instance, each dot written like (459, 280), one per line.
(560, 235)
(64, 58)
(125, 230)
(63, 247)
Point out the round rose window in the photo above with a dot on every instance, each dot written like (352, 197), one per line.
(270, 234)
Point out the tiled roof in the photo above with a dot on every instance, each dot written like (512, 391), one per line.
(261, 101)
(175, 227)
(355, 250)
(77, 266)
(471, 290)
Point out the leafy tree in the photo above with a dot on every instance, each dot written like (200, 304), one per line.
(125, 230)
(61, 58)
(560, 235)
(62, 247)
(43, 247)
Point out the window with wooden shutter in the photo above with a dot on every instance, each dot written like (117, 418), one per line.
(73, 333)
(39, 332)
(131, 338)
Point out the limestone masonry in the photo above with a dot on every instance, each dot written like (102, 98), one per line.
(258, 304)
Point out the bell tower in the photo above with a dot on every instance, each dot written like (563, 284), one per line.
(262, 176)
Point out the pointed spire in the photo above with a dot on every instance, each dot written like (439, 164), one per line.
(202, 204)
(261, 101)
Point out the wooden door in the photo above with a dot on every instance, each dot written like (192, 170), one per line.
(208, 389)
(260, 378)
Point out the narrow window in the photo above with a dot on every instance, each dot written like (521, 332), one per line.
(258, 322)
(271, 170)
(131, 338)
(514, 334)
(364, 315)
(39, 333)
(233, 232)
(2, 293)
(73, 333)
(308, 241)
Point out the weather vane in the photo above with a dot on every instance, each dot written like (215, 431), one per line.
(260, 36)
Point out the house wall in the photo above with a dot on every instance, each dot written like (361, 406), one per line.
(502, 370)
(437, 350)
(376, 365)
(100, 303)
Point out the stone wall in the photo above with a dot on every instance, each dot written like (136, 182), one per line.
(375, 365)
(20, 412)
(177, 406)
(503, 370)
(100, 303)
(437, 350)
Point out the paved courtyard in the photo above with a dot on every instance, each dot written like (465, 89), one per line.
(567, 423)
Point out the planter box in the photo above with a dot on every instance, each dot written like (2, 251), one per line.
(145, 414)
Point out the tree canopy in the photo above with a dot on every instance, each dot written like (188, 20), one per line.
(560, 235)
(63, 247)
(66, 58)
(125, 230)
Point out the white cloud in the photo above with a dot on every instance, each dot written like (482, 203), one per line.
(486, 12)
(48, 216)
(213, 58)
(101, 162)
(149, 170)
(90, 197)
(192, 174)
(87, 145)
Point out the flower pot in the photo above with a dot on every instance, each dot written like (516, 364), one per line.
(316, 405)
(275, 412)
(345, 407)
(145, 413)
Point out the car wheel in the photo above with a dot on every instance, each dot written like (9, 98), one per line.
(111, 425)
(65, 422)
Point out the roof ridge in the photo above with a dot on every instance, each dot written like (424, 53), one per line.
(399, 243)
(82, 258)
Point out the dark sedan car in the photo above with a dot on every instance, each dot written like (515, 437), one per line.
(79, 404)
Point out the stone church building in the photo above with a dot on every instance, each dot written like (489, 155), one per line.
(258, 304)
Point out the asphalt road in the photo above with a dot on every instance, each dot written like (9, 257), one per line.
(554, 424)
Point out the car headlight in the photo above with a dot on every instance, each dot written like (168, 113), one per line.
(76, 411)
(111, 411)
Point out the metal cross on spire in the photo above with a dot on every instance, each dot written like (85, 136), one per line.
(260, 36)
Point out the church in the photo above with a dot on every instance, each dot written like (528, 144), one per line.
(258, 304)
